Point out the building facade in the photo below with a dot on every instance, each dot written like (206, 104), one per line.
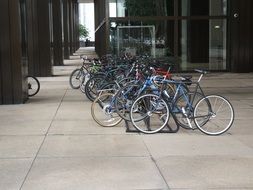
(34, 36)
(207, 34)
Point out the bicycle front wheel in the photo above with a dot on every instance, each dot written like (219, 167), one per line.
(213, 115)
(149, 113)
(93, 85)
(103, 111)
(76, 78)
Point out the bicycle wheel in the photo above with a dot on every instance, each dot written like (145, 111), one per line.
(85, 78)
(76, 78)
(33, 85)
(149, 113)
(188, 102)
(92, 87)
(124, 99)
(103, 111)
(217, 117)
(126, 81)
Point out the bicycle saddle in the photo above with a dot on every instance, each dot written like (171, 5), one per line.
(201, 71)
(186, 77)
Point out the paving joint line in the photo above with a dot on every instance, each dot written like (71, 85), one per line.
(154, 161)
(46, 134)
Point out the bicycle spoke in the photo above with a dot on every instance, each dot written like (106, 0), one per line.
(221, 115)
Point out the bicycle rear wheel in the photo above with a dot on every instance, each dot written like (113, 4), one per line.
(149, 113)
(33, 85)
(188, 102)
(103, 111)
(216, 118)
(124, 99)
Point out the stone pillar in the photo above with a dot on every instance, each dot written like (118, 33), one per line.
(45, 64)
(66, 28)
(57, 32)
(13, 87)
(71, 48)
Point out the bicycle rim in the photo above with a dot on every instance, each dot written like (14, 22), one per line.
(103, 111)
(149, 113)
(76, 78)
(217, 117)
(33, 85)
(93, 85)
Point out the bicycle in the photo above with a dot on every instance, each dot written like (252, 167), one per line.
(110, 108)
(79, 75)
(211, 114)
(129, 92)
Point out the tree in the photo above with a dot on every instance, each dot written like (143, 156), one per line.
(83, 31)
(139, 7)
(146, 7)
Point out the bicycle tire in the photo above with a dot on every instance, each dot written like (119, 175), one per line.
(33, 85)
(219, 115)
(93, 86)
(124, 99)
(76, 78)
(103, 111)
(144, 108)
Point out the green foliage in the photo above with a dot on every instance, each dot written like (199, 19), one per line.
(148, 7)
(83, 31)
(140, 7)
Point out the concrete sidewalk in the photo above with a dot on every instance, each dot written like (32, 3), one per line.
(52, 143)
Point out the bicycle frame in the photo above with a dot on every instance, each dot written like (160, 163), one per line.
(180, 91)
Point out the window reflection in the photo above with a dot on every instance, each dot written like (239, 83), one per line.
(123, 8)
(200, 43)
(203, 7)
(154, 38)
(203, 44)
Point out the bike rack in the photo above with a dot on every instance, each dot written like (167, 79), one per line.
(166, 129)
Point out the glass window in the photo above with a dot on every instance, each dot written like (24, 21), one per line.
(203, 44)
(203, 7)
(123, 8)
(155, 38)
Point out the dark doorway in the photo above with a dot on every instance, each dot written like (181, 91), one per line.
(241, 41)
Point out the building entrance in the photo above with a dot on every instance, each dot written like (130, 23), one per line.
(241, 38)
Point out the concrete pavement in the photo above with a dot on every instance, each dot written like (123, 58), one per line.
(52, 143)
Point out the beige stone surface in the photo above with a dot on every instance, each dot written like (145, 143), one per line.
(52, 143)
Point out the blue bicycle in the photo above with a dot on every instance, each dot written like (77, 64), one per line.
(211, 114)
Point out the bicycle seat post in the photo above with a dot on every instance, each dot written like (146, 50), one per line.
(200, 77)
(202, 73)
